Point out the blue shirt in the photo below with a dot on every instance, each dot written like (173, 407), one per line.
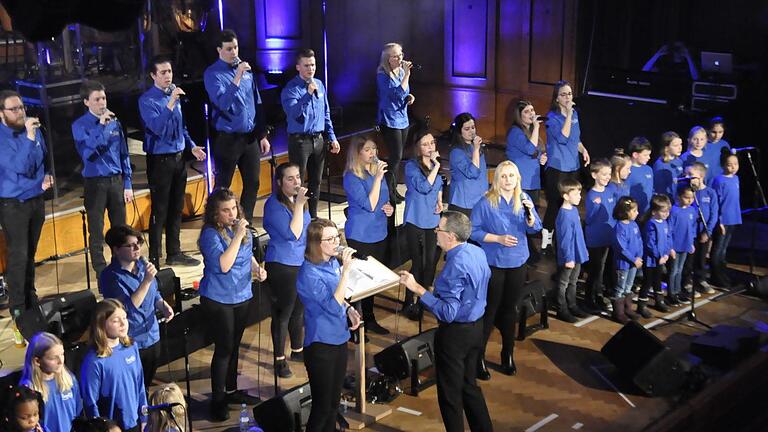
(599, 217)
(689, 159)
(22, 165)
(627, 245)
(118, 283)
(570, 237)
(563, 151)
(468, 182)
(61, 407)
(113, 386)
(682, 223)
(502, 220)
(233, 106)
(283, 246)
(365, 224)
(619, 189)
(525, 155)
(713, 151)
(640, 184)
(164, 130)
(325, 319)
(710, 209)
(421, 196)
(102, 148)
(665, 176)
(230, 287)
(393, 100)
(307, 113)
(727, 189)
(462, 287)
(657, 241)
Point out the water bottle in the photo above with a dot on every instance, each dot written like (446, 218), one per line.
(245, 418)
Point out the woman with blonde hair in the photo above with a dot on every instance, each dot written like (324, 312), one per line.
(111, 377)
(501, 221)
(369, 208)
(174, 420)
(45, 372)
(394, 93)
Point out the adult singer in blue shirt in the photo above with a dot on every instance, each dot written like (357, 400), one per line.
(308, 114)
(225, 294)
(285, 220)
(166, 141)
(23, 179)
(321, 285)
(234, 96)
(458, 302)
(469, 172)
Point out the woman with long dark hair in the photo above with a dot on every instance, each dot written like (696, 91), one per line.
(225, 294)
(469, 172)
(423, 205)
(321, 284)
(563, 148)
(369, 208)
(285, 219)
(394, 92)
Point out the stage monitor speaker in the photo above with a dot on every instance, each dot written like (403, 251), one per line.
(645, 360)
(66, 315)
(169, 286)
(286, 412)
(758, 286)
(724, 346)
(395, 360)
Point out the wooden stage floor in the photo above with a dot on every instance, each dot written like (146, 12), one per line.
(563, 382)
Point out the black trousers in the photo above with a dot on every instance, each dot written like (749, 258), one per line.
(326, 366)
(395, 140)
(504, 291)
(534, 194)
(598, 278)
(308, 152)
(699, 261)
(22, 223)
(566, 287)
(377, 250)
(167, 174)
(239, 150)
(102, 193)
(287, 310)
(552, 179)
(150, 359)
(651, 282)
(457, 349)
(227, 333)
(467, 212)
(422, 246)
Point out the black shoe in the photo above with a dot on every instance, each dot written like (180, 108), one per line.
(482, 371)
(684, 298)
(672, 300)
(297, 356)
(508, 363)
(376, 328)
(181, 259)
(282, 369)
(239, 397)
(578, 312)
(567, 317)
(218, 411)
(412, 311)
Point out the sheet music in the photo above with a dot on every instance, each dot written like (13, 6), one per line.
(367, 275)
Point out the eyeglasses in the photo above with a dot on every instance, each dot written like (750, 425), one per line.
(16, 109)
(565, 94)
(134, 246)
(331, 239)
(437, 230)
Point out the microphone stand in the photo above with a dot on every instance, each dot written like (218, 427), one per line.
(87, 252)
(328, 179)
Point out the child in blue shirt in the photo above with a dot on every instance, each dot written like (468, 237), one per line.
(657, 247)
(727, 187)
(640, 180)
(598, 233)
(111, 378)
(697, 140)
(716, 147)
(21, 410)
(621, 168)
(708, 212)
(571, 251)
(682, 222)
(45, 372)
(627, 257)
(668, 167)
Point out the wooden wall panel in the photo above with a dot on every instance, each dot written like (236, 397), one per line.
(547, 41)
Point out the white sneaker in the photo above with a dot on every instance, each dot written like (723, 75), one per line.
(706, 288)
(546, 238)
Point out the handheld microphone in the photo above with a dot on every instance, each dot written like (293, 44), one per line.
(542, 118)
(740, 149)
(359, 255)
(528, 214)
(236, 62)
(168, 407)
(309, 193)
(170, 90)
(310, 81)
(375, 160)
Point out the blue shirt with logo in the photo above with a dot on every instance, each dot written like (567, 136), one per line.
(233, 106)
(23, 165)
(102, 148)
